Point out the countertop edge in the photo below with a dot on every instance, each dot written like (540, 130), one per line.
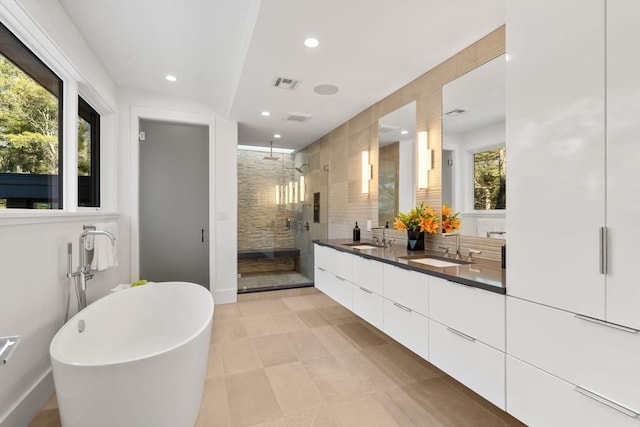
(442, 275)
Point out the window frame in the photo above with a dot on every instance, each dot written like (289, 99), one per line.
(25, 59)
(90, 115)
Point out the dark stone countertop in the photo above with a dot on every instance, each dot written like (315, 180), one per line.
(483, 274)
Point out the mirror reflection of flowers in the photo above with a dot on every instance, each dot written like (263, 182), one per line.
(450, 220)
(420, 218)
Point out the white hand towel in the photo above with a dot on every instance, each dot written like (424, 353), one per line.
(105, 255)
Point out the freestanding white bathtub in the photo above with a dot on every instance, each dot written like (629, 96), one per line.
(140, 360)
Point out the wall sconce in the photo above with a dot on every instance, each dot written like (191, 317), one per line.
(424, 160)
(367, 172)
(302, 188)
(277, 194)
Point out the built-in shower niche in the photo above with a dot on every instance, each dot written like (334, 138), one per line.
(268, 224)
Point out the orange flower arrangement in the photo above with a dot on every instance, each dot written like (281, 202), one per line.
(420, 218)
(450, 220)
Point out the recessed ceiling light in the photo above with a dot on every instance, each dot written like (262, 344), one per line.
(311, 42)
(266, 113)
(326, 89)
(404, 132)
(277, 135)
(171, 78)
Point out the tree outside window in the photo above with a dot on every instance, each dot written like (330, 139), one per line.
(490, 179)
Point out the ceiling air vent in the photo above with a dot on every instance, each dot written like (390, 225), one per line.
(285, 83)
(386, 128)
(297, 117)
(455, 112)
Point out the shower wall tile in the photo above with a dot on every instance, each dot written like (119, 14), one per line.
(262, 223)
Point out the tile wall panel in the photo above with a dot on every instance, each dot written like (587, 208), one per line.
(341, 148)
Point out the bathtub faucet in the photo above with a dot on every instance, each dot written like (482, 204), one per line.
(84, 273)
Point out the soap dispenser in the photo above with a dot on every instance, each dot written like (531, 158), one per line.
(356, 233)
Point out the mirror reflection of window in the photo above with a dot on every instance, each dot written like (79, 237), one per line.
(489, 179)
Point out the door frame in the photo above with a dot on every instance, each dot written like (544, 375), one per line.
(138, 113)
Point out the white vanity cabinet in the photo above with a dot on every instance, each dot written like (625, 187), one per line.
(367, 290)
(333, 270)
(573, 155)
(406, 307)
(467, 336)
(458, 328)
(586, 352)
(540, 399)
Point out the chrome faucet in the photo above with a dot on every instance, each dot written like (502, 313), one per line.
(83, 273)
(384, 238)
(457, 236)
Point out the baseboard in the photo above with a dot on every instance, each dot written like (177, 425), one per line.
(31, 403)
(223, 296)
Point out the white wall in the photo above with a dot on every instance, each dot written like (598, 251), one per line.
(33, 260)
(33, 263)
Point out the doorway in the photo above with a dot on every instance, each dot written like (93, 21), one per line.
(174, 202)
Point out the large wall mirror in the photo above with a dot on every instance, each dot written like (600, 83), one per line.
(474, 149)
(396, 188)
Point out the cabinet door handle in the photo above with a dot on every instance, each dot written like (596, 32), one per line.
(461, 335)
(603, 250)
(321, 269)
(340, 278)
(365, 290)
(607, 402)
(603, 323)
(402, 307)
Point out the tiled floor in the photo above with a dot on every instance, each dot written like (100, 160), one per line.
(295, 358)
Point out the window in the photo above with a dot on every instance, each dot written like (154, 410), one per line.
(489, 171)
(30, 129)
(88, 155)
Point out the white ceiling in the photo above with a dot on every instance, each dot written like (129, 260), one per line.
(226, 53)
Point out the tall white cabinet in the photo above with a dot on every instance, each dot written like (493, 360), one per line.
(555, 103)
(623, 162)
(573, 101)
(573, 282)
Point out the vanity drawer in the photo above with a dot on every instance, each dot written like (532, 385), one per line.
(368, 274)
(368, 305)
(408, 327)
(322, 256)
(322, 280)
(406, 287)
(476, 365)
(540, 399)
(587, 353)
(341, 264)
(473, 311)
(337, 288)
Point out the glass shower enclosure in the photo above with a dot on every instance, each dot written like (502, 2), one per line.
(275, 217)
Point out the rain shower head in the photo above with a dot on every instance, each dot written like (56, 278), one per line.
(270, 156)
(301, 167)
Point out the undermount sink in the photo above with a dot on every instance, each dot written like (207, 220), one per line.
(358, 245)
(434, 261)
(365, 246)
